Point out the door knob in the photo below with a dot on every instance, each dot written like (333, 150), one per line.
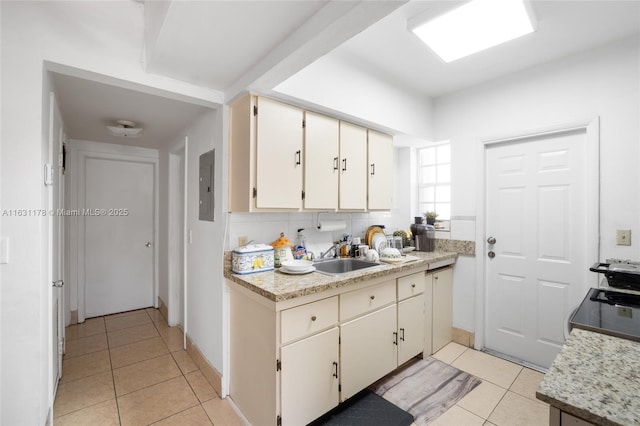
(491, 240)
(147, 244)
(491, 255)
(58, 283)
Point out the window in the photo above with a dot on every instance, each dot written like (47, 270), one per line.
(434, 180)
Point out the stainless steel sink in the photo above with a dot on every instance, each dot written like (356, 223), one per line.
(342, 266)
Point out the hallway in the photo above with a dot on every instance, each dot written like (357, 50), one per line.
(130, 369)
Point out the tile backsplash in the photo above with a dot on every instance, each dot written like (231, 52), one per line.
(266, 227)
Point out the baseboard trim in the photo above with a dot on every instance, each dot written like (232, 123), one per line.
(464, 337)
(208, 371)
(164, 311)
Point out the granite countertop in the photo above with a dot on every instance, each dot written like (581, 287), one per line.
(277, 286)
(595, 377)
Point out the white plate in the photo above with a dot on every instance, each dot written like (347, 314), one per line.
(379, 242)
(408, 249)
(284, 270)
(297, 265)
(391, 259)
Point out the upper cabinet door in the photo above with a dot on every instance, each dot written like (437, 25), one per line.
(278, 155)
(380, 171)
(353, 167)
(321, 161)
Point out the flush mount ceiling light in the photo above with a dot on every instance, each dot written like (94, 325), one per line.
(475, 26)
(125, 129)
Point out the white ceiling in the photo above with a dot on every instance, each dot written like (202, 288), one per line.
(88, 107)
(564, 28)
(234, 45)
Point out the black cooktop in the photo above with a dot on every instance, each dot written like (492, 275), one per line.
(609, 312)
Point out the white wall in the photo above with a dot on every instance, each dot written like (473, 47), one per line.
(205, 282)
(604, 82)
(101, 37)
(348, 90)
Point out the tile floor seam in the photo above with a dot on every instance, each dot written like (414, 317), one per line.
(115, 395)
(468, 411)
(144, 360)
(462, 353)
(175, 414)
(153, 384)
(494, 408)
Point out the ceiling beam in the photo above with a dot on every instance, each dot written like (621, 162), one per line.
(334, 24)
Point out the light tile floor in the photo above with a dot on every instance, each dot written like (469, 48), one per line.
(130, 369)
(506, 396)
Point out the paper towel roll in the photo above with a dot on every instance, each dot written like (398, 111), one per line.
(331, 225)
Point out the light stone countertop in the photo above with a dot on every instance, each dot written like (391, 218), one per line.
(595, 377)
(277, 286)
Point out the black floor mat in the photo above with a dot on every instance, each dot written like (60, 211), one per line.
(365, 409)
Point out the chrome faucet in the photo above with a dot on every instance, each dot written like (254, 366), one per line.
(324, 254)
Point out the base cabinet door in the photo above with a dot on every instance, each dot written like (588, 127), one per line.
(309, 377)
(442, 308)
(410, 328)
(368, 350)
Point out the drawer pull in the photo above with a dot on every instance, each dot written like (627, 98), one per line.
(335, 372)
(395, 338)
(402, 335)
(372, 297)
(313, 318)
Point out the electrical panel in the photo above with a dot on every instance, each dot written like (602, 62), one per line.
(206, 183)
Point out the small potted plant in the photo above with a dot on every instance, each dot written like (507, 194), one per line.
(430, 217)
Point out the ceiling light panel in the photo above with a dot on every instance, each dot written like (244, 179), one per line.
(475, 26)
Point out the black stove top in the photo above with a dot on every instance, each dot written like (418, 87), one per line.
(609, 312)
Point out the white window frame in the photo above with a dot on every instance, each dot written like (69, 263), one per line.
(443, 221)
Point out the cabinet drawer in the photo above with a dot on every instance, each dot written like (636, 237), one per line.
(308, 319)
(367, 299)
(410, 285)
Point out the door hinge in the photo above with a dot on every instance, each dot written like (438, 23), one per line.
(255, 192)
(303, 194)
(278, 365)
(278, 421)
(255, 110)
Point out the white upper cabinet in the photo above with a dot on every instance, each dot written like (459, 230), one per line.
(321, 161)
(265, 155)
(277, 163)
(278, 155)
(353, 167)
(380, 173)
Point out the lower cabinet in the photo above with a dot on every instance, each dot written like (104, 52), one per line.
(293, 362)
(442, 308)
(410, 328)
(309, 378)
(368, 350)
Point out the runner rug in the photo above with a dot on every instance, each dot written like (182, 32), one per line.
(426, 388)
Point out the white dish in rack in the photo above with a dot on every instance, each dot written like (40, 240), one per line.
(288, 271)
(408, 249)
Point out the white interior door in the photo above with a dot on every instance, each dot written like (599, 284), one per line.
(536, 209)
(56, 242)
(118, 234)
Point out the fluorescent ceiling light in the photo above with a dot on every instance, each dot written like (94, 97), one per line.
(475, 26)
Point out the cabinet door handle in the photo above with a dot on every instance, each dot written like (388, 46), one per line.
(372, 297)
(344, 164)
(298, 155)
(395, 338)
(335, 371)
(313, 318)
(413, 285)
(335, 163)
(373, 169)
(402, 334)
